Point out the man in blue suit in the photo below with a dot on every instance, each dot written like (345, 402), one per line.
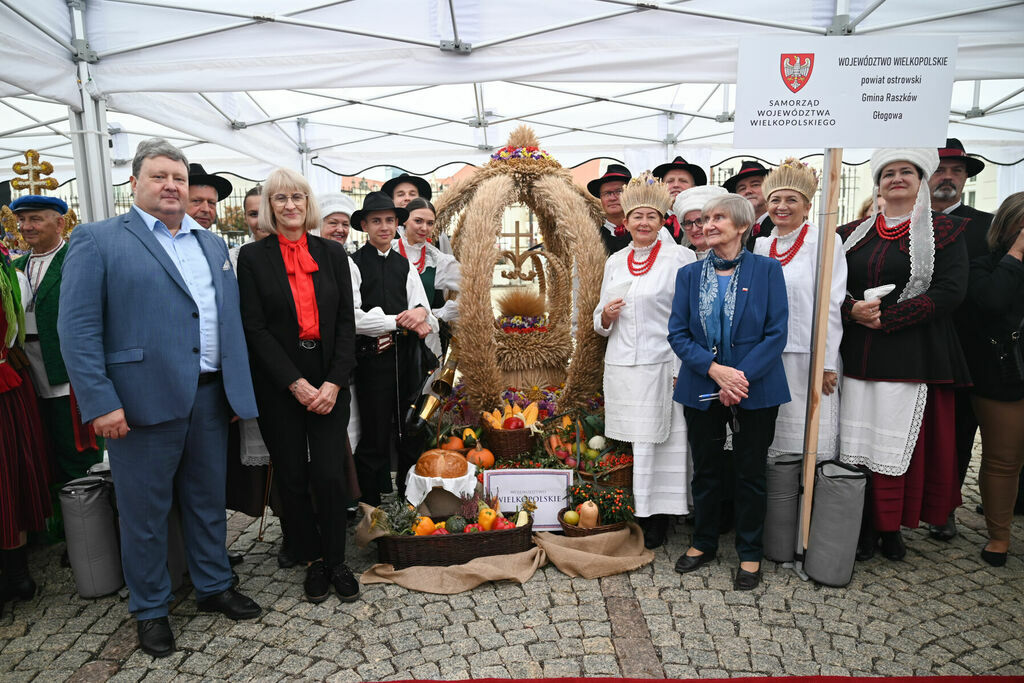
(152, 337)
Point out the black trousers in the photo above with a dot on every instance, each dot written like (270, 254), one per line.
(966, 425)
(380, 416)
(711, 483)
(307, 452)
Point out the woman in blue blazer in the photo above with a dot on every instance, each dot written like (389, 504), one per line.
(729, 327)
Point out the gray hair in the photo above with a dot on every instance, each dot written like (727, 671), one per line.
(156, 147)
(739, 210)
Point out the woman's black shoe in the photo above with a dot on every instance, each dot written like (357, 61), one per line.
(688, 563)
(284, 559)
(993, 558)
(746, 581)
(317, 585)
(655, 531)
(893, 547)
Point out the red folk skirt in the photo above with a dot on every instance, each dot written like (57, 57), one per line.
(24, 462)
(930, 488)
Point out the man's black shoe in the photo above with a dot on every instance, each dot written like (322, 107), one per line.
(317, 585)
(345, 583)
(235, 559)
(231, 604)
(155, 637)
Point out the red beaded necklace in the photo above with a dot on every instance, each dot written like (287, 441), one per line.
(642, 267)
(787, 256)
(891, 233)
(421, 262)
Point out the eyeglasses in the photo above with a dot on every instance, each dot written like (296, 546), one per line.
(695, 223)
(282, 199)
(611, 193)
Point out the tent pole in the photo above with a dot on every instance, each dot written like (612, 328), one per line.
(303, 147)
(828, 216)
(89, 132)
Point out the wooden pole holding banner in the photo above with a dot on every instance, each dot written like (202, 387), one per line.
(828, 218)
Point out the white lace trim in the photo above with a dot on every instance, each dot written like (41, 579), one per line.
(643, 252)
(898, 468)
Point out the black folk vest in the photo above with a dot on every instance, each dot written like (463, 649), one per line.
(383, 279)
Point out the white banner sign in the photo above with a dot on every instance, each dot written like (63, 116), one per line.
(844, 92)
(549, 489)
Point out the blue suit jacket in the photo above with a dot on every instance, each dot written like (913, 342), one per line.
(129, 329)
(759, 333)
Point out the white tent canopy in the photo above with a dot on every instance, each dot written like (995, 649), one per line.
(350, 84)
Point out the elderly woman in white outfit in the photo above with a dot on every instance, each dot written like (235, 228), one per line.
(794, 244)
(688, 207)
(639, 365)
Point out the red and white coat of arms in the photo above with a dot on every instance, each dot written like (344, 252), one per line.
(796, 69)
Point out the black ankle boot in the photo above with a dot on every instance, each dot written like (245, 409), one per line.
(893, 547)
(656, 531)
(19, 583)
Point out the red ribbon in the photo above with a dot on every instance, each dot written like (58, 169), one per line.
(672, 223)
(85, 435)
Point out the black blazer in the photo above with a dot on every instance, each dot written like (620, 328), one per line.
(269, 318)
(976, 230)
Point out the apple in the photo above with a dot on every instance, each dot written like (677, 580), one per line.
(571, 517)
(561, 454)
(514, 422)
(570, 462)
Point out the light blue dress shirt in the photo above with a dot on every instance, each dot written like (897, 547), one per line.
(187, 255)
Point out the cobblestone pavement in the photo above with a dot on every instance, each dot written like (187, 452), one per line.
(941, 611)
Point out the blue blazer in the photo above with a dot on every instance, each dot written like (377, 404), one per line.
(759, 332)
(129, 329)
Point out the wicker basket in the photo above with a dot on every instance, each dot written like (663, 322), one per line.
(506, 444)
(574, 531)
(620, 477)
(451, 549)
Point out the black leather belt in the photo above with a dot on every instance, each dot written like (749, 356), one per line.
(309, 344)
(207, 377)
(31, 337)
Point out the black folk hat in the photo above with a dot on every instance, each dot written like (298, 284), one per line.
(699, 176)
(377, 201)
(197, 175)
(422, 186)
(954, 149)
(614, 172)
(747, 169)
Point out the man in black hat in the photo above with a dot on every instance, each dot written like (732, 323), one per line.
(747, 183)
(608, 189)
(392, 317)
(204, 191)
(678, 175)
(947, 187)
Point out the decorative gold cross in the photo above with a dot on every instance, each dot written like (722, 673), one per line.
(35, 170)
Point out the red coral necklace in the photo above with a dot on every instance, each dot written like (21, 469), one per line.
(891, 233)
(421, 262)
(639, 268)
(788, 255)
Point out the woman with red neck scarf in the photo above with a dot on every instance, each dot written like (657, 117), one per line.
(296, 297)
(907, 271)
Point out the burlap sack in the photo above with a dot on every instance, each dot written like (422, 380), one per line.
(518, 567)
(595, 556)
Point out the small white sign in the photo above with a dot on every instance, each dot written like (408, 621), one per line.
(844, 92)
(549, 489)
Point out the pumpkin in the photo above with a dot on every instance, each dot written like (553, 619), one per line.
(438, 462)
(589, 514)
(452, 443)
(455, 524)
(481, 457)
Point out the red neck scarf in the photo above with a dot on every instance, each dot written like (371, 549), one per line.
(672, 223)
(300, 265)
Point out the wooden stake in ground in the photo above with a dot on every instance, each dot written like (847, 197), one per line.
(828, 216)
